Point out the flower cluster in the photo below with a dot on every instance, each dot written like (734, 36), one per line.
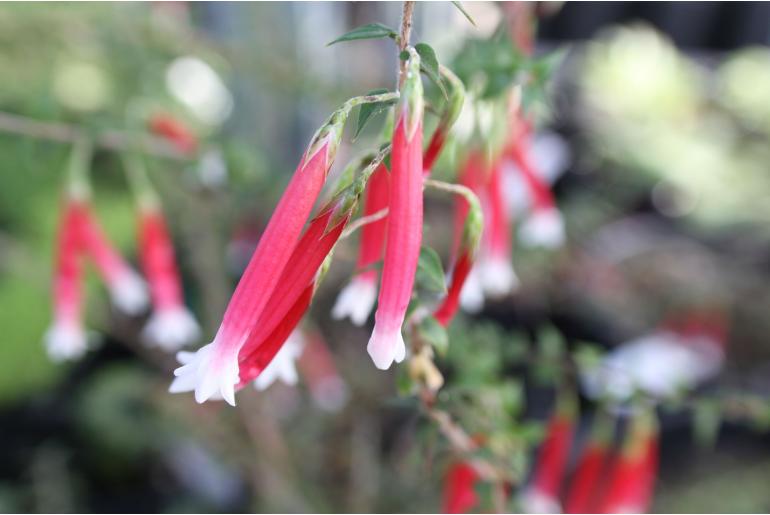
(80, 235)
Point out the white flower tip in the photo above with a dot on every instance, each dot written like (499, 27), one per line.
(65, 342)
(472, 294)
(386, 346)
(129, 294)
(211, 376)
(283, 366)
(497, 277)
(171, 329)
(535, 501)
(356, 301)
(543, 228)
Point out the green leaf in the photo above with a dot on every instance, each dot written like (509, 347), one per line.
(371, 31)
(465, 13)
(366, 111)
(429, 65)
(707, 418)
(430, 274)
(434, 333)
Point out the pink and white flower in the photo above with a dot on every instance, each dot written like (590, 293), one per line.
(404, 231)
(214, 370)
(66, 338)
(171, 324)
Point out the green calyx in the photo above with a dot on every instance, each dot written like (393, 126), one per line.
(78, 181)
(412, 100)
(330, 133)
(456, 99)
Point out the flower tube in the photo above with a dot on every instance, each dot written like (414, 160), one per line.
(215, 366)
(584, 489)
(66, 339)
(404, 232)
(460, 489)
(171, 324)
(542, 495)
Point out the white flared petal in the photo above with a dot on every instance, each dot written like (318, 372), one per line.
(283, 367)
(472, 294)
(331, 393)
(534, 501)
(660, 364)
(212, 375)
(497, 277)
(129, 294)
(356, 301)
(386, 346)
(515, 192)
(171, 329)
(543, 228)
(65, 342)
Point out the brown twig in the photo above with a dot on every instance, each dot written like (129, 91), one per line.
(403, 39)
(110, 139)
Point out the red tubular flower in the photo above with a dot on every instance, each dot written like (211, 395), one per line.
(66, 339)
(127, 289)
(496, 270)
(544, 226)
(214, 369)
(632, 473)
(299, 274)
(584, 487)
(318, 370)
(467, 243)
(460, 489)
(175, 131)
(171, 325)
(356, 300)
(542, 494)
(404, 232)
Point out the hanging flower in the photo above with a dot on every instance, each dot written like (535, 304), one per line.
(544, 226)
(171, 324)
(495, 263)
(127, 289)
(215, 367)
(584, 488)
(66, 339)
(356, 300)
(460, 489)
(542, 495)
(633, 470)
(470, 219)
(404, 231)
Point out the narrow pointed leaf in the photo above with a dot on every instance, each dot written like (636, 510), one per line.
(366, 111)
(430, 274)
(465, 13)
(370, 31)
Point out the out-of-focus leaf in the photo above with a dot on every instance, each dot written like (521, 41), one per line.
(460, 8)
(435, 334)
(707, 418)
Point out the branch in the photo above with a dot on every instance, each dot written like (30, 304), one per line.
(110, 139)
(403, 39)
